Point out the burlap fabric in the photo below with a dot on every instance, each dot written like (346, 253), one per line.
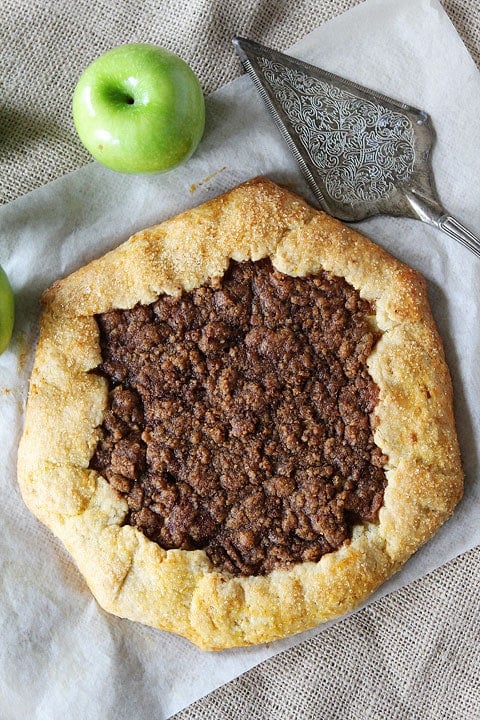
(412, 655)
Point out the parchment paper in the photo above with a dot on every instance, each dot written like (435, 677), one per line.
(60, 655)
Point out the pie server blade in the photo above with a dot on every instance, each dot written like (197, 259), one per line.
(361, 152)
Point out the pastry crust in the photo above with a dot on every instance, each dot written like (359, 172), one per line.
(179, 590)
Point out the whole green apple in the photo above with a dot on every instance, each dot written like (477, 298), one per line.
(139, 109)
(7, 311)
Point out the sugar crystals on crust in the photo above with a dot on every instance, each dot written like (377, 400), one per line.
(240, 421)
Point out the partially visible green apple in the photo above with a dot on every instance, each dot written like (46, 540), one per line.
(139, 109)
(7, 311)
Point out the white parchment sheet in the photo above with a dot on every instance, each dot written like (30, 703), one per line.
(60, 655)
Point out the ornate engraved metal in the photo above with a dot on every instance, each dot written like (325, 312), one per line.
(361, 149)
(361, 152)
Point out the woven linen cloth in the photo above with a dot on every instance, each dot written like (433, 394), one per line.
(412, 655)
(45, 45)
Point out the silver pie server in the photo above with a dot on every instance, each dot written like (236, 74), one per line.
(361, 152)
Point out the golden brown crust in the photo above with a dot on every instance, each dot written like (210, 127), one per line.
(178, 590)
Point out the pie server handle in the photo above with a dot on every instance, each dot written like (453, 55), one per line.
(433, 213)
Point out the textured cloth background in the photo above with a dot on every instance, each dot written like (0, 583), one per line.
(412, 655)
(45, 45)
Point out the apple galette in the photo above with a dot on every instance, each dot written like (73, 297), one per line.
(240, 421)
